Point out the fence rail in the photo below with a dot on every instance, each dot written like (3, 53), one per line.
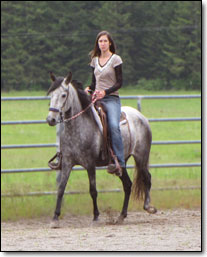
(56, 145)
(116, 190)
(150, 120)
(138, 98)
(23, 98)
(169, 165)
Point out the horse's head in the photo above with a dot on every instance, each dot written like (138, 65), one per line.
(59, 92)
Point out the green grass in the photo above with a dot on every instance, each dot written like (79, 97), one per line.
(15, 208)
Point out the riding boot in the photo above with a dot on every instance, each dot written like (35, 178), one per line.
(112, 169)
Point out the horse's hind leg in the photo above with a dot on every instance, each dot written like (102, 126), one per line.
(147, 199)
(93, 191)
(142, 183)
(127, 191)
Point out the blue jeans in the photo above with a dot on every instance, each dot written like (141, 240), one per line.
(113, 106)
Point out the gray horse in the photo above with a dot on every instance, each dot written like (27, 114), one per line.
(81, 143)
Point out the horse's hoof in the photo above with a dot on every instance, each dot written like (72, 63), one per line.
(95, 222)
(151, 210)
(55, 224)
(120, 220)
(95, 218)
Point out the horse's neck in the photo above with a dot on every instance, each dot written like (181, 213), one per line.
(82, 130)
(74, 104)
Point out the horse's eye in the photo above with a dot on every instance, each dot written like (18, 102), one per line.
(64, 95)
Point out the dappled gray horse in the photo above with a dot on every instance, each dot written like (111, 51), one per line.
(81, 143)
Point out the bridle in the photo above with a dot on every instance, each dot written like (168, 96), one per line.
(74, 116)
(52, 109)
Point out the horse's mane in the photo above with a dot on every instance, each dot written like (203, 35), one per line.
(82, 95)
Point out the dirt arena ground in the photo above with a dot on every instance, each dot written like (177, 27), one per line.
(167, 230)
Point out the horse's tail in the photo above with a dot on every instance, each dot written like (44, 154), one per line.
(142, 178)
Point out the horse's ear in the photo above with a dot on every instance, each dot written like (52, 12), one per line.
(52, 76)
(68, 79)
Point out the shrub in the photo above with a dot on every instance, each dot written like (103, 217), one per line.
(152, 84)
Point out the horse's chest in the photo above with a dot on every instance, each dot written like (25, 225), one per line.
(76, 146)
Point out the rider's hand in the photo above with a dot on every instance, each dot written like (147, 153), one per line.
(87, 89)
(99, 94)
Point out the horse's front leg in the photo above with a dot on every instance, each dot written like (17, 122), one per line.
(66, 169)
(93, 191)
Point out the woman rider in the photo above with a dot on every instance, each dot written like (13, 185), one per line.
(106, 80)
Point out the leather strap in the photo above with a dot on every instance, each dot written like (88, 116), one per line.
(56, 166)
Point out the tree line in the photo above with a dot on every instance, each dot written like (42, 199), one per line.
(159, 41)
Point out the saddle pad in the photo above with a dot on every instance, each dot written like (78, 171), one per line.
(123, 119)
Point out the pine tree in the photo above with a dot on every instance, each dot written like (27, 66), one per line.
(183, 47)
(156, 40)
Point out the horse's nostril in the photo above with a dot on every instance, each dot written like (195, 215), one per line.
(51, 121)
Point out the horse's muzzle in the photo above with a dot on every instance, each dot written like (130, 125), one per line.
(51, 121)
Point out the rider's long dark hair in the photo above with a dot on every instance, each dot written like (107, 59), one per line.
(96, 51)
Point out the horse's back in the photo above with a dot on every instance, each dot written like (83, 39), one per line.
(135, 117)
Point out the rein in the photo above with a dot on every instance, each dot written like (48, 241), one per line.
(81, 112)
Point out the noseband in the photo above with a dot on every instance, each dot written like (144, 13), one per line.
(53, 110)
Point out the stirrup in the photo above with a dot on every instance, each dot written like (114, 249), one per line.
(58, 165)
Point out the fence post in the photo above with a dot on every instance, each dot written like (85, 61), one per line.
(139, 107)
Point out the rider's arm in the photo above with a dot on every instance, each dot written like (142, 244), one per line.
(93, 83)
(118, 84)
